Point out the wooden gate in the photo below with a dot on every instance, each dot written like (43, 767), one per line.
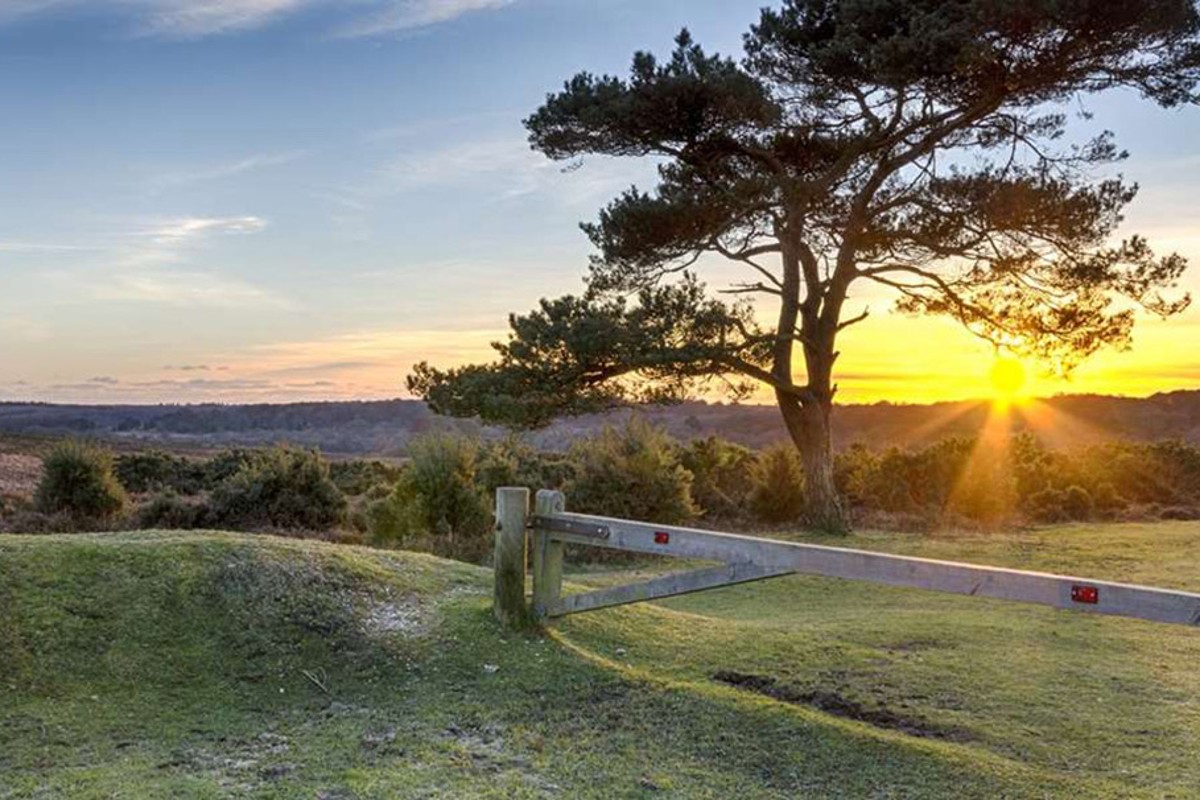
(747, 558)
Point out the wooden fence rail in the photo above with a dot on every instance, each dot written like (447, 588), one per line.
(748, 558)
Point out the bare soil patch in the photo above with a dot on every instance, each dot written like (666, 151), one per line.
(832, 702)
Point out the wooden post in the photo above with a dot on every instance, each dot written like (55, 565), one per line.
(508, 595)
(547, 556)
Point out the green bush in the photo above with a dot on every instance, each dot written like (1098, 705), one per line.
(632, 472)
(155, 470)
(912, 481)
(1048, 505)
(778, 493)
(985, 490)
(27, 520)
(513, 462)
(1077, 503)
(168, 511)
(359, 476)
(1105, 497)
(78, 481)
(1061, 505)
(279, 488)
(722, 475)
(226, 464)
(436, 505)
(853, 472)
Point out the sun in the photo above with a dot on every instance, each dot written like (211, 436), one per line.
(1008, 380)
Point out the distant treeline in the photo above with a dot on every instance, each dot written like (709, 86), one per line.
(440, 499)
(385, 428)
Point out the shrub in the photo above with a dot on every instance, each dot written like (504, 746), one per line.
(167, 510)
(279, 488)
(30, 521)
(1077, 503)
(226, 464)
(154, 470)
(778, 493)
(985, 489)
(359, 476)
(436, 504)
(1048, 505)
(78, 481)
(8, 503)
(513, 462)
(1179, 513)
(722, 475)
(1105, 497)
(853, 472)
(916, 481)
(632, 472)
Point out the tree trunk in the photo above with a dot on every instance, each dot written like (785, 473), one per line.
(810, 429)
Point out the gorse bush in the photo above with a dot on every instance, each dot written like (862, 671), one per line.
(155, 470)
(279, 488)
(78, 481)
(441, 500)
(437, 504)
(631, 472)
(778, 492)
(513, 462)
(358, 477)
(226, 464)
(998, 480)
(723, 475)
(168, 510)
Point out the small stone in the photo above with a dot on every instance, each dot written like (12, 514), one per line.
(491, 669)
(621, 651)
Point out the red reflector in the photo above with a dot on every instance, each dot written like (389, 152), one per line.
(1085, 594)
(662, 537)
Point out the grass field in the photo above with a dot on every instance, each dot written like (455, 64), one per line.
(217, 665)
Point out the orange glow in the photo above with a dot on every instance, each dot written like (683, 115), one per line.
(985, 488)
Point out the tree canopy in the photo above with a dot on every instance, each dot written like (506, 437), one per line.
(919, 145)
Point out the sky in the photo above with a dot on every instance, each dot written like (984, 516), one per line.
(276, 200)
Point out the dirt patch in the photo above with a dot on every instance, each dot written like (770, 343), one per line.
(237, 766)
(407, 619)
(914, 645)
(485, 748)
(839, 706)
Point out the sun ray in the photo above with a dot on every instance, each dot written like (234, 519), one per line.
(985, 489)
(1058, 428)
(945, 416)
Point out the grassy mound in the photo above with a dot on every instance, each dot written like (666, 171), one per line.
(217, 665)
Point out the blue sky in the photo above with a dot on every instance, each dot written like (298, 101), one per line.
(279, 199)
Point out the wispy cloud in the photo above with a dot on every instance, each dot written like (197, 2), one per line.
(409, 14)
(229, 169)
(180, 231)
(14, 9)
(507, 158)
(152, 262)
(195, 18)
(33, 248)
(139, 274)
(192, 19)
(186, 289)
(508, 168)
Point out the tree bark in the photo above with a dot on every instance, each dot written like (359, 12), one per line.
(810, 427)
(807, 416)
